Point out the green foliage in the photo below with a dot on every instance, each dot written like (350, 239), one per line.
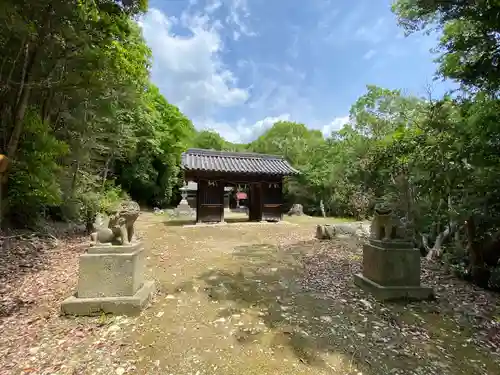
(33, 182)
(161, 133)
(78, 110)
(110, 197)
(208, 140)
(469, 46)
(92, 202)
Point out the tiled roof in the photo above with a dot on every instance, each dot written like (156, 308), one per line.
(196, 159)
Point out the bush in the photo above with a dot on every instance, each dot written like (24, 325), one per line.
(494, 282)
(92, 203)
(110, 197)
(33, 183)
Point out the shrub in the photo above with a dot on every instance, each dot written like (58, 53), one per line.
(33, 183)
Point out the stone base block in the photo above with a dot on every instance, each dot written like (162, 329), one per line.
(388, 293)
(111, 271)
(391, 263)
(132, 305)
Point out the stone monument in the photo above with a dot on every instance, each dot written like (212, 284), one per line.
(183, 208)
(391, 263)
(111, 278)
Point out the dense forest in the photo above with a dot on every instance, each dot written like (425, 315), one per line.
(83, 126)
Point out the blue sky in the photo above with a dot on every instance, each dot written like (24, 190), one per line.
(237, 66)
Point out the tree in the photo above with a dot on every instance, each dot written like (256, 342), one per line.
(162, 134)
(208, 140)
(470, 44)
(74, 83)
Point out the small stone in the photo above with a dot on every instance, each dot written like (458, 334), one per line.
(160, 314)
(366, 303)
(114, 328)
(120, 371)
(169, 296)
(34, 350)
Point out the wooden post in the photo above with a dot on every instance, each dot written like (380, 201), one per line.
(223, 200)
(4, 164)
(198, 203)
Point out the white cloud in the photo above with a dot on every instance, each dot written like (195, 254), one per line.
(293, 50)
(242, 130)
(238, 17)
(374, 33)
(188, 69)
(212, 6)
(340, 30)
(336, 124)
(369, 55)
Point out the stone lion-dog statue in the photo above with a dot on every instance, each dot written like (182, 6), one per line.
(386, 225)
(120, 230)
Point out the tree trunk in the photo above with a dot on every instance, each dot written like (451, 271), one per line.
(106, 170)
(25, 86)
(13, 66)
(74, 179)
(477, 268)
(437, 249)
(22, 102)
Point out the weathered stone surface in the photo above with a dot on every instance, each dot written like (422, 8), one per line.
(391, 270)
(111, 280)
(331, 231)
(391, 266)
(113, 273)
(120, 228)
(126, 305)
(183, 209)
(296, 209)
(387, 225)
(388, 293)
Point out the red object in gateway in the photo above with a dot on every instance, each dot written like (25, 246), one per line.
(240, 195)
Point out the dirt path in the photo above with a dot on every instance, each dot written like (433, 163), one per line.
(255, 299)
(225, 302)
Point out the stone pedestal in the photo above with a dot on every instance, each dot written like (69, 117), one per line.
(111, 280)
(391, 270)
(183, 208)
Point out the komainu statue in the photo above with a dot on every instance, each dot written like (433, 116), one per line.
(386, 225)
(120, 230)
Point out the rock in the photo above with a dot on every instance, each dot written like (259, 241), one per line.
(114, 328)
(34, 350)
(366, 303)
(296, 210)
(331, 231)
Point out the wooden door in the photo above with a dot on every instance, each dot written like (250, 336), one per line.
(210, 201)
(272, 201)
(255, 206)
